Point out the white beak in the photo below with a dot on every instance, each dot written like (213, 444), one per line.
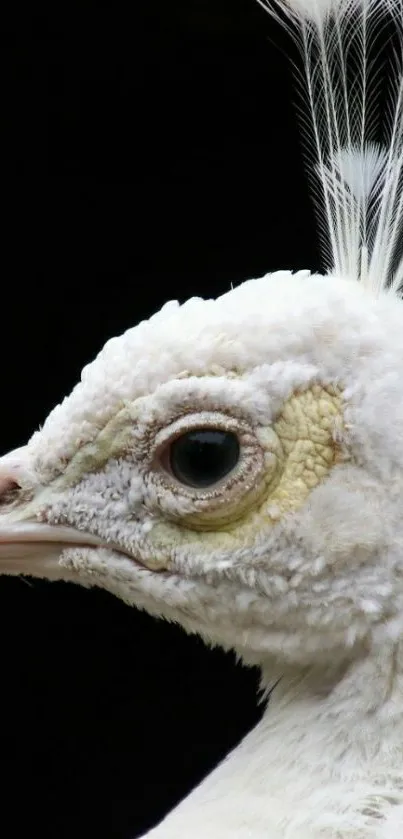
(34, 549)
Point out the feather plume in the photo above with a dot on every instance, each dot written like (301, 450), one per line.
(349, 49)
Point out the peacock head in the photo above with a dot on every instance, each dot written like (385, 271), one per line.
(234, 465)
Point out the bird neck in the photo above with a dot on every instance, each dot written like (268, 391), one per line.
(367, 684)
(328, 751)
(339, 716)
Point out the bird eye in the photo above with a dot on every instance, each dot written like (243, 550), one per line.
(202, 457)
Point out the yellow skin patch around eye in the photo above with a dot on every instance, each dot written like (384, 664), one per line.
(305, 430)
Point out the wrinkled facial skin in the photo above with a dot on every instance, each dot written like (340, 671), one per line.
(281, 556)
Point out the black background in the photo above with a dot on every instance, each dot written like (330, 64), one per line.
(151, 153)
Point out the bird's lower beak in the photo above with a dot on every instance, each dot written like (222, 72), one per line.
(34, 549)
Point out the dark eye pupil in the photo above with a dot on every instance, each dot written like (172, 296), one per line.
(201, 458)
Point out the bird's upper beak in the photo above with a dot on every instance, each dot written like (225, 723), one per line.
(28, 546)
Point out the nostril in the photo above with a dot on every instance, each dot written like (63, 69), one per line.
(15, 476)
(17, 479)
(9, 489)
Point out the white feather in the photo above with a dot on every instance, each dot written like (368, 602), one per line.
(358, 161)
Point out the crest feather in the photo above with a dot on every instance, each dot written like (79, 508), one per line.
(356, 156)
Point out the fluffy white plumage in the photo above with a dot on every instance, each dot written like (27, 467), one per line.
(293, 553)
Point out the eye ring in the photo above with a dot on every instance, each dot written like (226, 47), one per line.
(225, 501)
(186, 424)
